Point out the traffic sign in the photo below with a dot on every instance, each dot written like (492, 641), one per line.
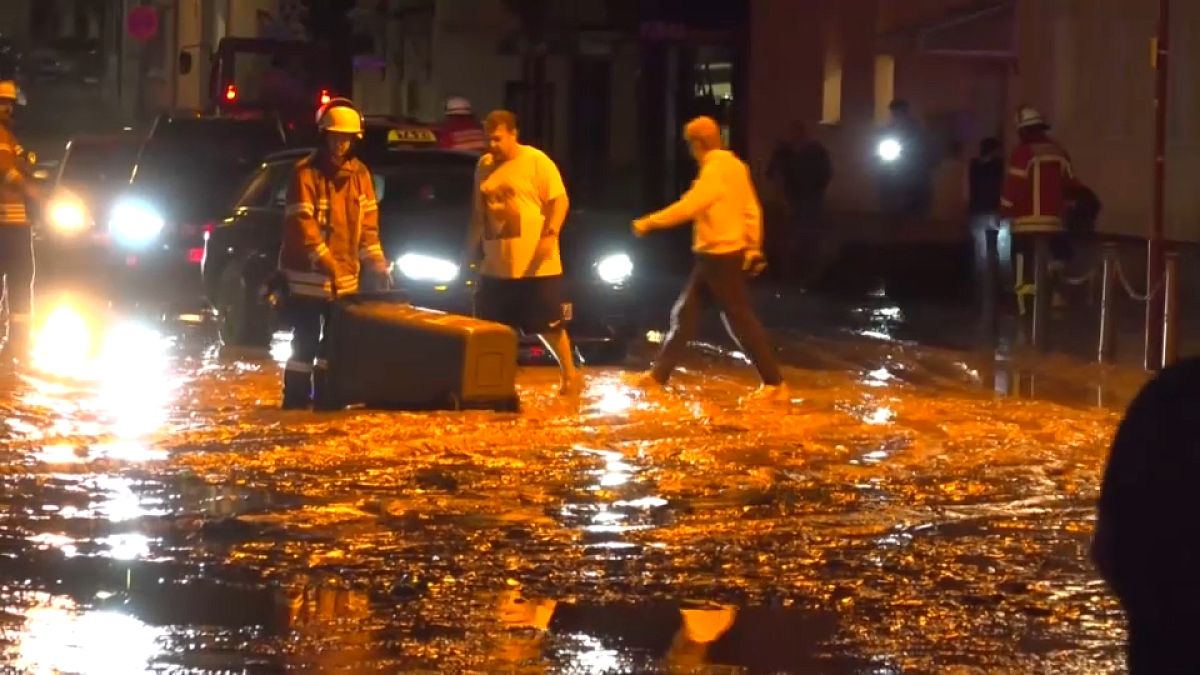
(142, 23)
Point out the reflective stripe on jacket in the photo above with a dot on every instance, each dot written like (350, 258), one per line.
(331, 224)
(1035, 185)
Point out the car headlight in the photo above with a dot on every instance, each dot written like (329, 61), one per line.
(615, 269)
(427, 268)
(135, 223)
(889, 150)
(67, 216)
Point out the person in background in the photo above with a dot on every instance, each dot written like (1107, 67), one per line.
(520, 204)
(907, 162)
(727, 243)
(459, 130)
(985, 183)
(801, 170)
(1146, 530)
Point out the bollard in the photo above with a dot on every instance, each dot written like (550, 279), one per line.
(1108, 286)
(1170, 334)
(1041, 290)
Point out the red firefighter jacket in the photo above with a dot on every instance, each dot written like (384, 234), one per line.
(461, 132)
(13, 167)
(331, 224)
(1035, 186)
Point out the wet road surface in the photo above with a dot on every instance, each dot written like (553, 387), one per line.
(909, 510)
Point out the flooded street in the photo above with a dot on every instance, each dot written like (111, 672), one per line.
(910, 510)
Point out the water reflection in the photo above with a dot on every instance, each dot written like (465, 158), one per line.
(59, 636)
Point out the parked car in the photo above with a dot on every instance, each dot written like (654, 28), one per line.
(425, 202)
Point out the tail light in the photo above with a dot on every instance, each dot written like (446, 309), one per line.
(196, 255)
(231, 93)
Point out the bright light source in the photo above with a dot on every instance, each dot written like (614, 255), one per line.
(63, 345)
(135, 223)
(67, 215)
(889, 149)
(427, 268)
(325, 98)
(230, 93)
(615, 269)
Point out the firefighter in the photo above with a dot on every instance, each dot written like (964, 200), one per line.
(459, 129)
(16, 242)
(331, 224)
(1036, 184)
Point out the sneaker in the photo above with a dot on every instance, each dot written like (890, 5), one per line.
(771, 393)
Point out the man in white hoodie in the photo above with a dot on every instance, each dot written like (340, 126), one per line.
(727, 243)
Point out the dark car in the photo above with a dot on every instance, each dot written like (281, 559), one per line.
(186, 176)
(425, 203)
(71, 226)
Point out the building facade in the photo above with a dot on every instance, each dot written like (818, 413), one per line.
(965, 65)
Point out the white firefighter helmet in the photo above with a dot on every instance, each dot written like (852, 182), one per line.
(457, 105)
(1028, 116)
(340, 116)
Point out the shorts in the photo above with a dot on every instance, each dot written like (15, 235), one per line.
(532, 305)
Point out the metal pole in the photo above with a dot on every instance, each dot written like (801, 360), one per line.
(1041, 289)
(988, 288)
(1154, 247)
(1108, 343)
(1170, 319)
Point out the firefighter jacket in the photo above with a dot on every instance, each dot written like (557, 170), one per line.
(331, 225)
(14, 170)
(461, 132)
(1036, 184)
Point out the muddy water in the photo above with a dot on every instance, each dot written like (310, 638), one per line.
(908, 510)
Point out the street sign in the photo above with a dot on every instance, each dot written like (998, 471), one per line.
(142, 23)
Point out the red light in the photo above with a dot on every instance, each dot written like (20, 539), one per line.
(195, 255)
(537, 351)
(325, 98)
(230, 92)
(209, 227)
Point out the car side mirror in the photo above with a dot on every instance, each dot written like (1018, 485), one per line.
(185, 63)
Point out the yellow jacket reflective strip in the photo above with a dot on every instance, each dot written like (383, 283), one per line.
(1019, 173)
(299, 209)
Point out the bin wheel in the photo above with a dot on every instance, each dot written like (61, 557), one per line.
(512, 405)
(454, 401)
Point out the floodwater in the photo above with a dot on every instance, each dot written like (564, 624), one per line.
(908, 510)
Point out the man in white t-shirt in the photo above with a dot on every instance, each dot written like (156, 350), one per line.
(520, 204)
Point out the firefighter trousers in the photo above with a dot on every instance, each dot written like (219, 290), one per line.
(304, 376)
(719, 278)
(17, 271)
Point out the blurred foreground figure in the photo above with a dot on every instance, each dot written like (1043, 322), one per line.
(1147, 531)
(16, 240)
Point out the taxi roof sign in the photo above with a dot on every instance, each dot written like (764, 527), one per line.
(410, 135)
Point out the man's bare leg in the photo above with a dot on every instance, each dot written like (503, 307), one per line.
(559, 344)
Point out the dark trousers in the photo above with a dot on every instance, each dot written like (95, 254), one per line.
(717, 278)
(304, 376)
(16, 271)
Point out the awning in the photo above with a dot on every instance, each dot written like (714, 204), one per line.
(985, 30)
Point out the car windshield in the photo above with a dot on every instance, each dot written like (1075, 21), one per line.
(98, 162)
(425, 180)
(201, 161)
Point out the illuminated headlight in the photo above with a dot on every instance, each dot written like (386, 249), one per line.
(427, 268)
(615, 269)
(889, 149)
(135, 223)
(67, 216)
